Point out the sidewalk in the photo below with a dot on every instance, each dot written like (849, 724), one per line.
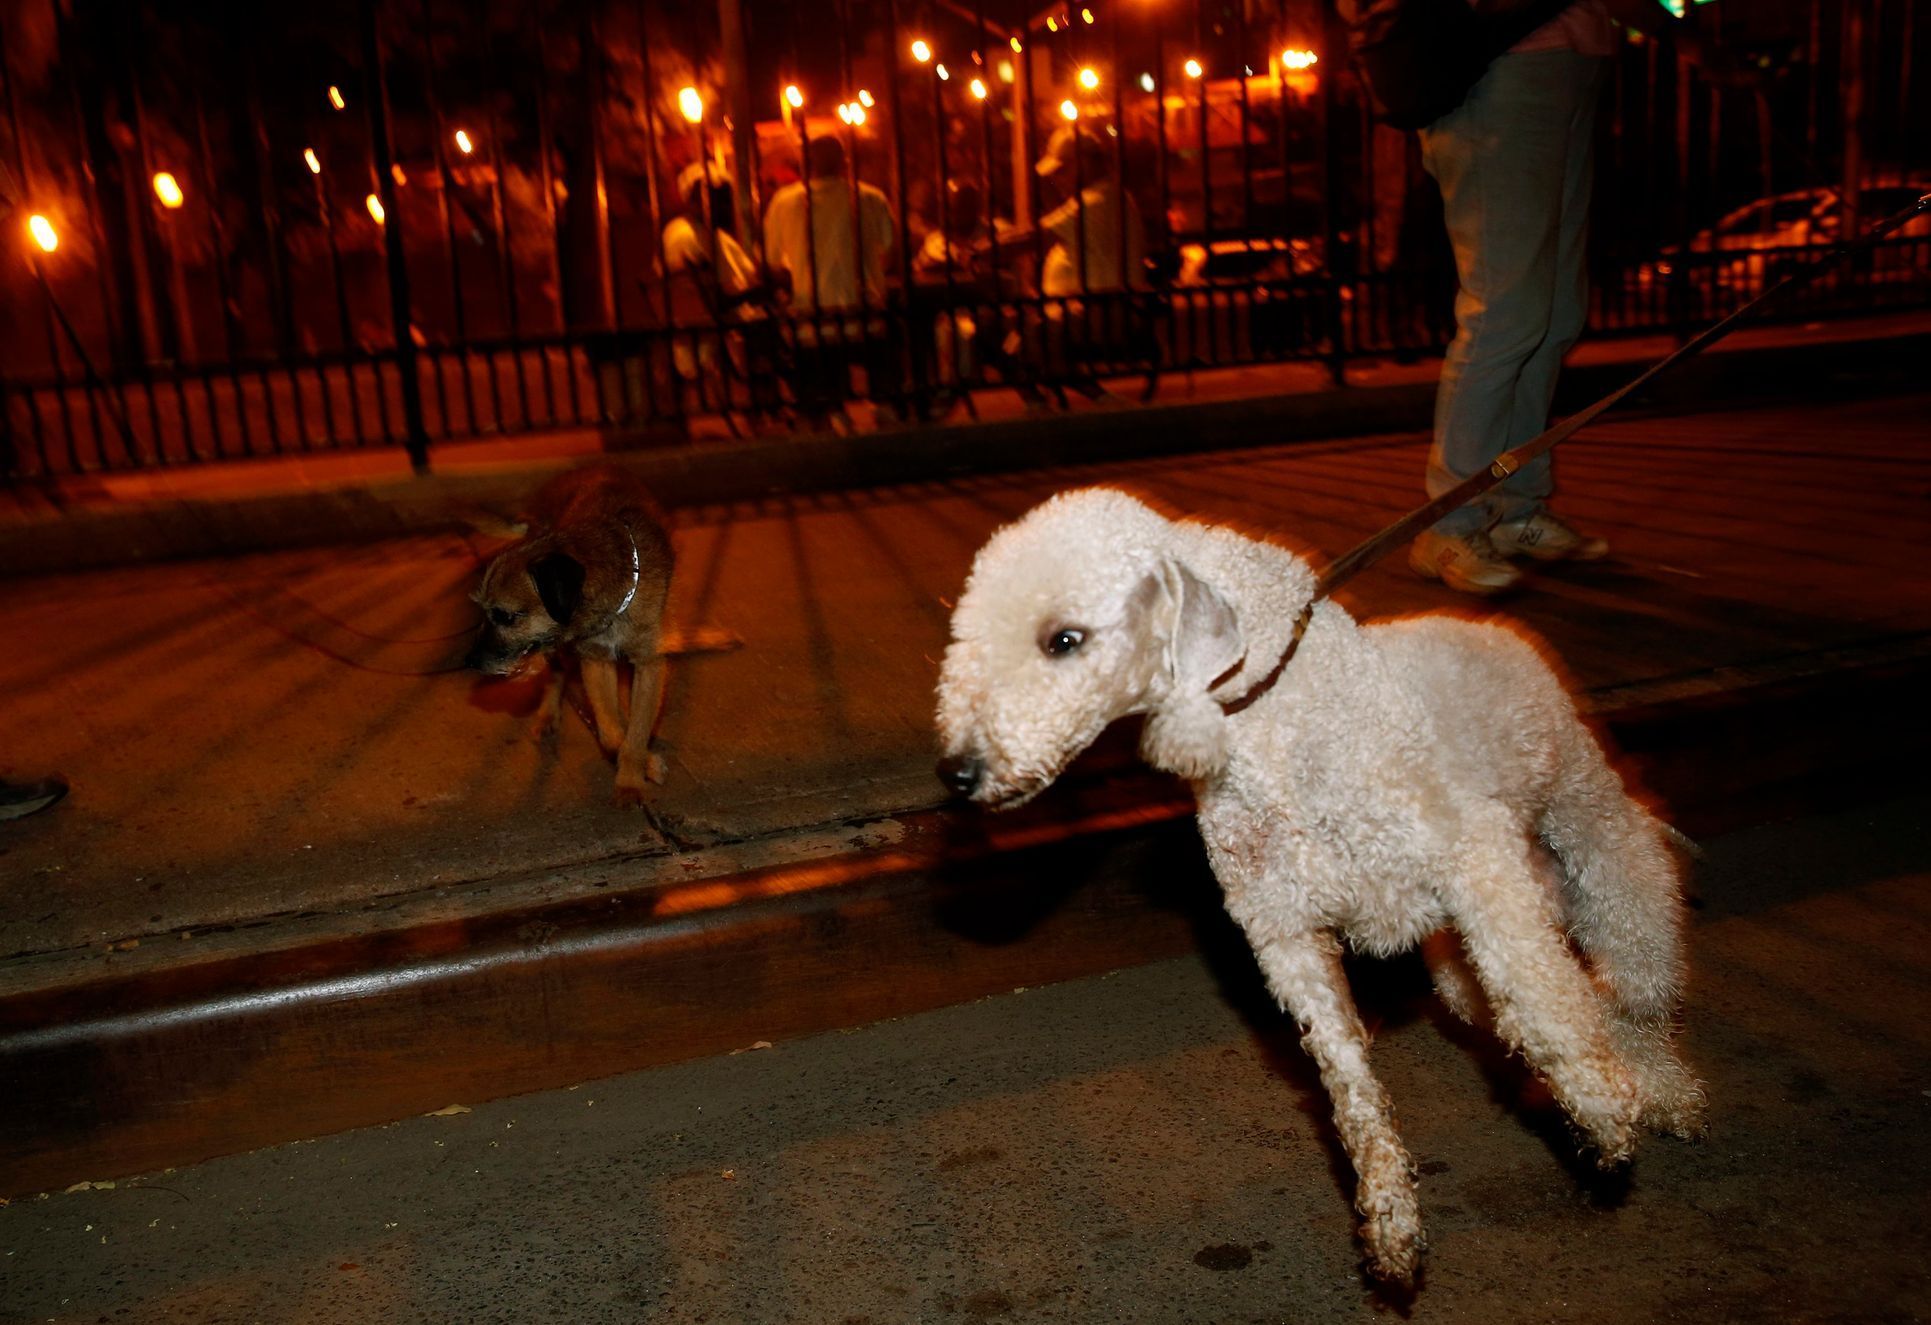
(280, 799)
(355, 496)
(282, 733)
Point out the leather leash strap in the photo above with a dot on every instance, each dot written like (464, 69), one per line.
(1347, 567)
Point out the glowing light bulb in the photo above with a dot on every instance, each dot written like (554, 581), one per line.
(335, 98)
(865, 99)
(691, 104)
(794, 97)
(944, 74)
(1005, 71)
(1086, 14)
(1017, 45)
(43, 232)
(1146, 82)
(314, 161)
(979, 88)
(463, 144)
(1193, 68)
(1089, 78)
(168, 190)
(374, 204)
(1068, 109)
(920, 51)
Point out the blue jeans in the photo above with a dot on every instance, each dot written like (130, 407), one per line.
(1514, 163)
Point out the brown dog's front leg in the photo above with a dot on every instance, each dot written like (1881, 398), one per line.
(600, 686)
(636, 765)
(543, 725)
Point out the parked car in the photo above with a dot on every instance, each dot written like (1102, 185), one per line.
(1236, 298)
(1759, 244)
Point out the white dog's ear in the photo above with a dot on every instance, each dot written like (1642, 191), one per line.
(1186, 731)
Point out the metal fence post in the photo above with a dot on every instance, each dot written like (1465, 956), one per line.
(1333, 38)
(416, 436)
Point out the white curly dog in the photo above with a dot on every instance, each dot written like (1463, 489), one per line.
(1395, 782)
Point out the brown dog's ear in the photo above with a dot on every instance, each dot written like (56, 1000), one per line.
(559, 583)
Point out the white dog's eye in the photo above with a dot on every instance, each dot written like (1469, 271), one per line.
(1062, 642)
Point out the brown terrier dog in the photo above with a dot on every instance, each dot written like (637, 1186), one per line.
(591, 576)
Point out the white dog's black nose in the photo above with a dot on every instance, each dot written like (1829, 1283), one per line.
(961, 773)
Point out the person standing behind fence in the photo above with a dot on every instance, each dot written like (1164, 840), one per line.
(1095, 250)
(714, 283)
(1099, 248)
(835, 258)
(1515, 163)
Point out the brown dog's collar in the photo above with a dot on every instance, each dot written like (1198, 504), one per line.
(636, 574)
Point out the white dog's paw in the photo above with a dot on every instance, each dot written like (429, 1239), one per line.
(1394, 1242)
(1391, 1231)
(1684, 1114)
(1611, 1117)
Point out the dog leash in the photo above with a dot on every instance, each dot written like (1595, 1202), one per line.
(1366, 554)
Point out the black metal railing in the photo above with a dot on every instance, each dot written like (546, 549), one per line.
(402, 223)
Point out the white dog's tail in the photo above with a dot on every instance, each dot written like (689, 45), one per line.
(1620, 884)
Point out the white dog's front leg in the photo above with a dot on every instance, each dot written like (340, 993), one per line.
(1304, 972)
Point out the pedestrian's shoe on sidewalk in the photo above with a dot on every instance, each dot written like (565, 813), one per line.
(1467, 562)
(1545, 536)
(20, 799)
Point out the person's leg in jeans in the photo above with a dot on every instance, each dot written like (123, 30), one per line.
(884, 375)
(762, 352)
(818, 388)
(1523, 526)
(1502, 160)
(1569, 289)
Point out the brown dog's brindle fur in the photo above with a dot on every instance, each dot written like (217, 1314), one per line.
(562, 587)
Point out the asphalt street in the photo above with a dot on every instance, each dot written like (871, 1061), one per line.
(1150, 1145)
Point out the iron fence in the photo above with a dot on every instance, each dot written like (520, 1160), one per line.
(236, 232)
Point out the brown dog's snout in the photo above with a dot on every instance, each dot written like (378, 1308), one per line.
(961, 773)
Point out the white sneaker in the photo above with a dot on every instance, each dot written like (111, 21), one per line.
(1545, 536)
(1468, 563)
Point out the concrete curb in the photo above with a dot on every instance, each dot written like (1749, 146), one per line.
(130, 1068)
(82, 537)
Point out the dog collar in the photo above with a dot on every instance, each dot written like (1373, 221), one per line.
(635, 574)
(1266, 683)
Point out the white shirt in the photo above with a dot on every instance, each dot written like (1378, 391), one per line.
(687, 247)
(1099, 205)
(825, 261)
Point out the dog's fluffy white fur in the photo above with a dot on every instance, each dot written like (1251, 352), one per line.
(1404, 783)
